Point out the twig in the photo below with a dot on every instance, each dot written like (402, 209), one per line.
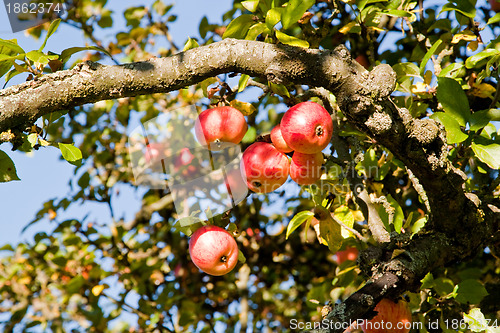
(419, 188)
(352, 230)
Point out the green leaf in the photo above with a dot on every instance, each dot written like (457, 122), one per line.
(427, 281)
(453, 99)
(344, 214)
(279, 89)
(241, 257)
(70, 153)
(464, 7)
(294, 11)
(479, 119)
(454, 133)
(398, 214)
(190, 44)
(273, 16)
(419, 224)
(75, 284)
(238, 27)
(297, 221)
(290, 40)
(9, 46)
(398, 13)
(250, 5)
(494, 19)
(52, 28)
(256, 30)
(189, 220)
(242, 83)
(428, 55)
(472, 61)
(452, 70)
(470, 291)
(66, 54)
(489, 154)
(443, 286)
(7, 169)
(205, 83)
(37, 57)
(7, 247)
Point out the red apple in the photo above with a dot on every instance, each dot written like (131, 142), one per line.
(154, 152)
(265, 167)
(307, 127)
(305, 169)
(213, 250)
(236, 185)
(278, 141)
(495, 5)
(350, 253)
(363, 61)
(183, 164)
(391, 318)
(218, 125)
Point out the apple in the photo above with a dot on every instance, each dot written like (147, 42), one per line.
(265, 168)
(391, 318)
(307, 127)
(278, 141)
(350, 253)
(183, 164)
(213, 250)
(305, 169)
(235, 184)
(154, 152)
(495, 5)
(362, 59)
(222, 124)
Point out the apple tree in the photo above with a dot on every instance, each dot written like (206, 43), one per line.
(411, 187)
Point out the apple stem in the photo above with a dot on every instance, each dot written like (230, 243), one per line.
(223, 259)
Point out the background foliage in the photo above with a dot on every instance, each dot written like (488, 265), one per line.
(137, 275)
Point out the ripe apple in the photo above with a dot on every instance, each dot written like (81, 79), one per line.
(495, 5)
(278, 141)
(265, 167)
(362, 59)
(305, 169)
(391, 318)
(236, 185)
(213, 250)
(307, 127)
(218, 125)
(154, 152)
(350, 253)
(183, 164)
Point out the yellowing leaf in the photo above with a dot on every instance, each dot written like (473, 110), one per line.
(331, 232)
(97, 290)
(466, 35)
(473, 45)
(290, 40)
(419, 88)
(483, 90)
(346, 28)
(245, 108)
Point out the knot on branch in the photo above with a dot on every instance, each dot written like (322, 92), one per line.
(379, 122)
(382, 81)
(425, 131)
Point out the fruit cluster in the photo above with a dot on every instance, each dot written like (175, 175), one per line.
(305, 130)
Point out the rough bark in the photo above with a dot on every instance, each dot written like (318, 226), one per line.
(459, 222)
